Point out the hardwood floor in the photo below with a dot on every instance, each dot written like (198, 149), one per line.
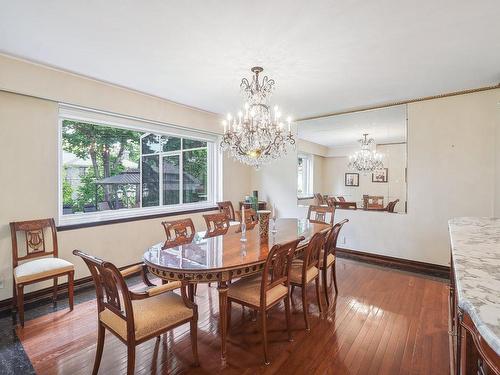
(383, 321)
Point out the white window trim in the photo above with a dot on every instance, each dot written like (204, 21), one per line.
(215, 178)
(308, 173)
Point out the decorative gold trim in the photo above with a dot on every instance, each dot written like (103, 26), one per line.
(392, 104)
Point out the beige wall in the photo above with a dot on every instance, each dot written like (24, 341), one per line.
(453, 170)
(28, 160)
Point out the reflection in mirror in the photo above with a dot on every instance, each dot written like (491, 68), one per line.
(356, 160)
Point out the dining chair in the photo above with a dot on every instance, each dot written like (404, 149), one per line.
(136, 316)
(391, 206)
(263, 291)
(31, 270)
(330, 201)
(373, 202)
(227, 207)
(318, 214)
(319, 199)
(217, 224)
(305, 271)
(178, 232)
(328, 257)
(251, 218)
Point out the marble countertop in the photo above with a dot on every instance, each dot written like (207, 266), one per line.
(475, 244)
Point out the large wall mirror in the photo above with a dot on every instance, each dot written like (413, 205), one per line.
(356, 160)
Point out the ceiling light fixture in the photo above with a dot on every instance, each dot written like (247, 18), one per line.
(256, 135)
(367, 159)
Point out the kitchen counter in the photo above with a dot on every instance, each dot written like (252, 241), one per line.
(475, 247)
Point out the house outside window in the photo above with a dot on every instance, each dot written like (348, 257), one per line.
(113, 167)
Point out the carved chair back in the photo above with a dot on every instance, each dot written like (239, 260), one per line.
(251, 218)
(371, 202)
(341, 199)
(277, 267)
(392, 205)
(35, 236)
(178, 232)
(227, 208)
(318, 214)
(330, 201)
(217, 224)
(313, 251)
(319, 199)
(331, 239)
(111, 289)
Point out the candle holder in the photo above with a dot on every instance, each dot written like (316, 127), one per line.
(243, 227)
(264, 223)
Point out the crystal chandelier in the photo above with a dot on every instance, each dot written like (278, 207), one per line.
(256, 136)
(367, 159)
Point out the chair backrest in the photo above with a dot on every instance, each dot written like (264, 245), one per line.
(318, 214)
(392, 205)
(227, 208)
(319, 199)
(371, 202)
(111, 289)
(313, 251)
(251, 218)
(178, 232)
(341, 199)
(330, 201)
(331, 239)
(217, 224)
(277, 268)
(35, 233)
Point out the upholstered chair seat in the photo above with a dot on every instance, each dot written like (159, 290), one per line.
(330, 259)
(41, 268)
(248, 290)
(296, 272)
(150, 315)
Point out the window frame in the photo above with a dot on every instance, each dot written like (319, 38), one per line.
(214, 165)
(308, 173)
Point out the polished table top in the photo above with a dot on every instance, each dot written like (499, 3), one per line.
(226, 251)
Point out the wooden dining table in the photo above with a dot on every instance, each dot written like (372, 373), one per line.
(224, 257)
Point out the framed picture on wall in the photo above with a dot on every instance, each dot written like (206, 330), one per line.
(352, 179)
(381, 175)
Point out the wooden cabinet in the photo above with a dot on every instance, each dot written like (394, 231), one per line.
(471, 354)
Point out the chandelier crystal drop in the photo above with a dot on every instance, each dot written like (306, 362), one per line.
(367, 159)
(257, 135)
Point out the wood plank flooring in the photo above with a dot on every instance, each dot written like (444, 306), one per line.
(383, 321)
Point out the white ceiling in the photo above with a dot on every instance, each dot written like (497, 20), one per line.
(324, 55)
(386, 125)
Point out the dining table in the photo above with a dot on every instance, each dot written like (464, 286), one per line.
(224, 257)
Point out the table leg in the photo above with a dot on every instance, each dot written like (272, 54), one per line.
(191, 291)
(222, 288)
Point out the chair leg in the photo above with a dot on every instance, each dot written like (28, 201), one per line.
(318, 297)
(324, 277)
(194, 341)
(101, 334)
(334, 277)
(292, 289)
(54, 292)
(20, 303)
(229, 308)
(287, 314)
(130, 358)
(71, 286)
(304, 307)
(263, 327)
